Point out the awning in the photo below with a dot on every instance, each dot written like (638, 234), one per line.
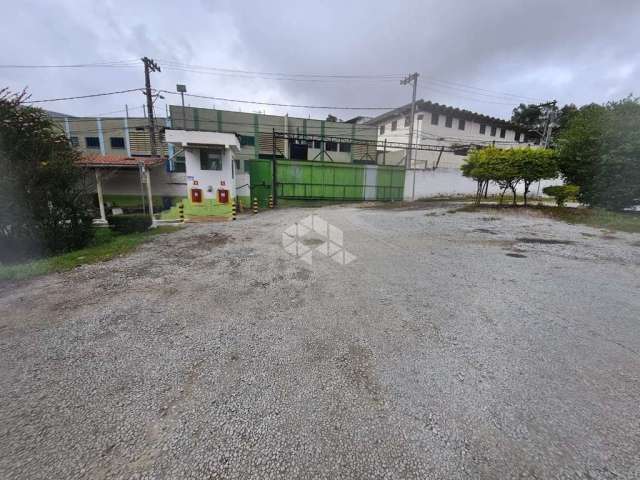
(117, 161)
(199, 139)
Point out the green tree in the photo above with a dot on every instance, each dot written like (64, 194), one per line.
(600, 152)
(533, 165)
(43, 205)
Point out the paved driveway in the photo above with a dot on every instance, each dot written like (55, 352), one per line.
(455, 345)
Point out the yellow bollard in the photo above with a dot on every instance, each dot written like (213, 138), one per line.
(181, 211)
(270, 201)
(255, 205)
(233, 211)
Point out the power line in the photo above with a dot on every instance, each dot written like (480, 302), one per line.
(391, 76)
(84, 96)
(325, 107)
(428, 78)
(117, 63)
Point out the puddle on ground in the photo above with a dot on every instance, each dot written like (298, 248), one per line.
(485, 230)
(516, 255)
(544, 241)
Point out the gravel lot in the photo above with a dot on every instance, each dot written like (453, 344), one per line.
(457, 345)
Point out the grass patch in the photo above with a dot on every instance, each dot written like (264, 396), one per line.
(596, 217)
(105, 246)
(592, 217)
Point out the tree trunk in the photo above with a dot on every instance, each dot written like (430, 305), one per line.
(526, 191)
(513, 190)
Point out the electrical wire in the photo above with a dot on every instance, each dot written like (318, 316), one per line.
(84, 96)
(252, 102)
(118, 63)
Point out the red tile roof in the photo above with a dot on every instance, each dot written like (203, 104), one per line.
(117, 161)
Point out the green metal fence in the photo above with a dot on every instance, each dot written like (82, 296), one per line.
(308, 180)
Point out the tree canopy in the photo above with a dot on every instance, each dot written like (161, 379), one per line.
(43, 205)
(509, 167)
(599, 151)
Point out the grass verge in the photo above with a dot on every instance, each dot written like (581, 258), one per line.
(105, 246)
(592, 217)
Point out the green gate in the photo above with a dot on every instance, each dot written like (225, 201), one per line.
(308, 180)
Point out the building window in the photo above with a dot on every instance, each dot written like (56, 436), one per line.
(210, 159)
(117, 142)
(503, 132)
(420, 117)
(493, 131)
(317, 144)
(435, 119)
(381, 131)
(461, 124)
(448, 122)
(483, 129)
(247, 141)
(407, 121)
(331, 146)
(74, 141)
(179, 165)
(394, 125)
(345, 147)
(92, 142)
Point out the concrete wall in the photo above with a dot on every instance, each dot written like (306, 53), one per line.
(450, 182)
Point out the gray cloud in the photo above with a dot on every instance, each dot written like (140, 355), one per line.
(574, 51)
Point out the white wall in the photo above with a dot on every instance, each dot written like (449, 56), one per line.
(209, 181)
(450, 182)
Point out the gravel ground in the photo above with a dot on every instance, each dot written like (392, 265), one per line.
(457, 345)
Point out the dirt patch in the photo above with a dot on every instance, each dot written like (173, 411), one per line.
(312, 242)
(608, 237)
(588, 235)
(545, 241)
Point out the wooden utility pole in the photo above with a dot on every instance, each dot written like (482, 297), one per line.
(150, 66)
(413, 78)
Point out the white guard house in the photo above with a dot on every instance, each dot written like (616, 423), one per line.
(210, 170)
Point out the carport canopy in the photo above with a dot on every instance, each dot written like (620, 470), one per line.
(111, 163)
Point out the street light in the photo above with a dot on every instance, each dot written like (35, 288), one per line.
(182, 89)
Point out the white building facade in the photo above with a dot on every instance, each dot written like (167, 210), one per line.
(443, 126)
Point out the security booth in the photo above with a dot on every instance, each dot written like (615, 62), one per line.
(210, 171)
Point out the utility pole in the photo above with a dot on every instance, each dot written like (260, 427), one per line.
(413, 78)
(150, 66)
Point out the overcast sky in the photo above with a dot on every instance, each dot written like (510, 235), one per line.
(576, 51)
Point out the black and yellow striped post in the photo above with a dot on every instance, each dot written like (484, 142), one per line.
(233, 211)
(255, 204)
(270, 201)
(181, 211)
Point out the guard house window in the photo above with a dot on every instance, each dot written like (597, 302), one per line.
(483, 129)
(448, 122)
(92, 142)
(179, 165)
(345, 147)
(247, 141)
(517, 138)
(317, 144)
(461, 124)
(493, 131)
(74, 141)
(117, 142)
(331, 146)
(503, 132)
(406, 121)
(210, 160)
(381, 131)
(435, 118)
(394, 125)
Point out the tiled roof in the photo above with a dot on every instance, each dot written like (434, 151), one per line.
(120, 161)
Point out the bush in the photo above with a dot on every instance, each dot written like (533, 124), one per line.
(562, 193)
(44, 207)
(132, 223)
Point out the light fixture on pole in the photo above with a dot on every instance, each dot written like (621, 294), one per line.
(182, 89)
